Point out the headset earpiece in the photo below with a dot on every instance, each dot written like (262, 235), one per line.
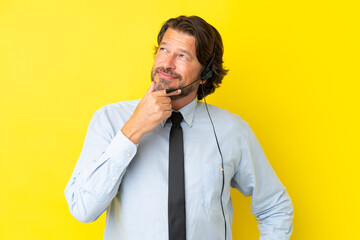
(208, 73)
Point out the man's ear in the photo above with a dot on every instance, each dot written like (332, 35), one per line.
(203, 82)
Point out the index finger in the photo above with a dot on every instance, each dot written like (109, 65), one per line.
(151, 88)
(163, 93)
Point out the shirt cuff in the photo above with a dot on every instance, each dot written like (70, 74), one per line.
(121, 147)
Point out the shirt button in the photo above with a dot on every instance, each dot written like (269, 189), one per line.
(113, 179)
(221, 169)
(128, 154)
(189, 122)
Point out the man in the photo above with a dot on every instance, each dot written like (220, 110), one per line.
(126, 164)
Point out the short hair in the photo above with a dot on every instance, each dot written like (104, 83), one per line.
(206, 36)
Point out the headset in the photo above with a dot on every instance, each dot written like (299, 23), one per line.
(206, 74)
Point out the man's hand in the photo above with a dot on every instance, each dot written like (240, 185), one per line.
(153, 108)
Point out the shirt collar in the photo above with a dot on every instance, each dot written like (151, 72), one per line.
(188, 113)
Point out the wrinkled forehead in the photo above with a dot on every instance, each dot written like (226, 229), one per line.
(180, 41)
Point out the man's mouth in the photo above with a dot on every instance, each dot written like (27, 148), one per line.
(166, 76)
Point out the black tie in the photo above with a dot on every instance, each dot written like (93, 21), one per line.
(176, 200)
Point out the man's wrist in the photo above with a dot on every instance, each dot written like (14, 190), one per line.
(132, 132)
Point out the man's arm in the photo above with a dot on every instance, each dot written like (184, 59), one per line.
(104, 159)
(270, 203)
(98, 172)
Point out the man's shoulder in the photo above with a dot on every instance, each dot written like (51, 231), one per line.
(232, 120)
(120, 111)
(119, 107)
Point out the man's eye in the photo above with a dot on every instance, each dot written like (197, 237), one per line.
(182, 56)
(163, 50)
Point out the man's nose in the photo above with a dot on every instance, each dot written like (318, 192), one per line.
(169, 62)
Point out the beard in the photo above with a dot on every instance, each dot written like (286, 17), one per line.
(163, 84)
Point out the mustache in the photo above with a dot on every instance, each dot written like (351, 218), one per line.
(168, 71)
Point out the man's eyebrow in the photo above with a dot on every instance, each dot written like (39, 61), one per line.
(163, 43)
(186, 52)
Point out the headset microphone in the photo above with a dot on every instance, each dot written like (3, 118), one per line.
(170, 90)
(208, 75)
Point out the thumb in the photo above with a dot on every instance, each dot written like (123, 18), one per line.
(151, 88)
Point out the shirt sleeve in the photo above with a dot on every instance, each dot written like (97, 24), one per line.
(98, 172)
(270, 203)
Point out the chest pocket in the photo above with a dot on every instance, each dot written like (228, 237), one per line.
(212, 182)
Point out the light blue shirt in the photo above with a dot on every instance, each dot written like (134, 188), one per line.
(131, 181)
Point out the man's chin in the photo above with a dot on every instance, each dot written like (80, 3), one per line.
(161, 86)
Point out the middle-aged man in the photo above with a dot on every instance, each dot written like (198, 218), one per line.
(163, 166)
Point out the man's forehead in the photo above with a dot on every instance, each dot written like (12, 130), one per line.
(183, 41)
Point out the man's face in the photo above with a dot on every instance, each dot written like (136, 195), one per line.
(176, 64)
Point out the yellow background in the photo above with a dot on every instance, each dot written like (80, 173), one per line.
(294, 77)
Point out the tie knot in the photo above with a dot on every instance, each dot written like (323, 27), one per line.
(176, 118)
